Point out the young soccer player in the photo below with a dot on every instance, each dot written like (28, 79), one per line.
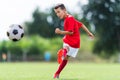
(71, 39)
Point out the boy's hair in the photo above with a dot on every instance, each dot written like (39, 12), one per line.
(60, 6)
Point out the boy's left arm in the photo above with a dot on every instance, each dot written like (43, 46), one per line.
(87, 31)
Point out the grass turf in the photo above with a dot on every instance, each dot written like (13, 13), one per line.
(45, 71)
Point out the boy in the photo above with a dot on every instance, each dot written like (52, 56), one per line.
(71, 40)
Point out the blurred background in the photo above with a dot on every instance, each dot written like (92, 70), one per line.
(40, 43)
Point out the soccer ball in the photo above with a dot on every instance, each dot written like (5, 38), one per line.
(15, 32)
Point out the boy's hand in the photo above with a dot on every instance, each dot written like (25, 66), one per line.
(57, 31)
(91, 35)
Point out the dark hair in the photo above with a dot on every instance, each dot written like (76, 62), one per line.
(60, 5)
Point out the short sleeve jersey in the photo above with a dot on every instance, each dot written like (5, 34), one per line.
(72, 25)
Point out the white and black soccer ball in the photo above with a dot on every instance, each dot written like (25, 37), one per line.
(15, 32)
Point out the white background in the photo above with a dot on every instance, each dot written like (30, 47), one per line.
(19, 11)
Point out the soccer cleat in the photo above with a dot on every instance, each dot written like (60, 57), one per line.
(60, 56)
(56, 76)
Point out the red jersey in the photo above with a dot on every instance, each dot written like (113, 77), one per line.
(72, 25)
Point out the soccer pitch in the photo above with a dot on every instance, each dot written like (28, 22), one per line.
(45, 71)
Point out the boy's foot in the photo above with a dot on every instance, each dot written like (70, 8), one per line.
(56, 76)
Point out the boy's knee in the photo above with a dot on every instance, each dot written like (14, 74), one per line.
(67, 48)
(66, 57)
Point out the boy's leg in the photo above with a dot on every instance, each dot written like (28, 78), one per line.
(62, 65)
(65, 52)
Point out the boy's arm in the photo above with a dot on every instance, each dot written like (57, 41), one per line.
(58, 31)
(87, 31)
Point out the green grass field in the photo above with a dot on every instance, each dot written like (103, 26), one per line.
(45, 70)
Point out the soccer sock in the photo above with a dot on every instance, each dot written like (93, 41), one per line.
(61, 66)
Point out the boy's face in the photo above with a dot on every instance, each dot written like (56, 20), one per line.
(60, 12)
